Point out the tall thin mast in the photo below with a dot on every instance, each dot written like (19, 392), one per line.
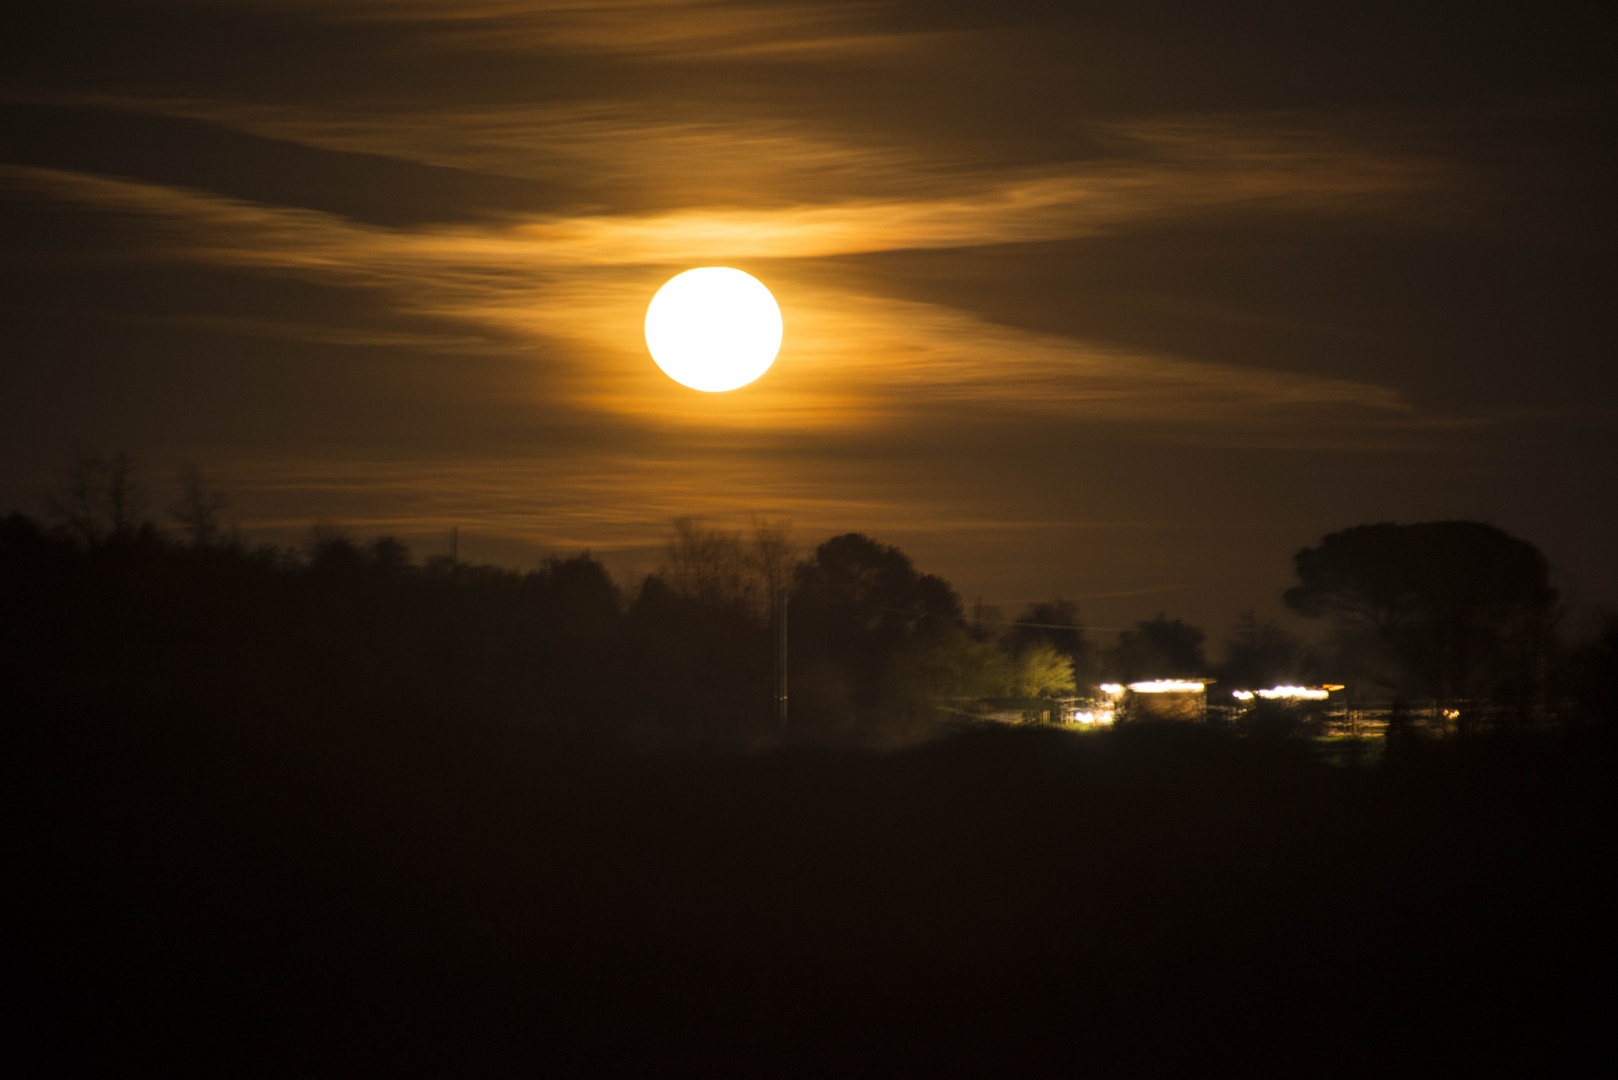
(781, 661)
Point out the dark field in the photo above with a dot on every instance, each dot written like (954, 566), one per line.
(1141, 902)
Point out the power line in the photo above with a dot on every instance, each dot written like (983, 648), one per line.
(962, 618)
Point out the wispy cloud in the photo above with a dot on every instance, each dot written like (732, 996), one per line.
(328, 334)
(852, 358)
(671, 29)
(1041, 271)
(745, 160)
(664, 152)
(569, 501)
(1175, 170)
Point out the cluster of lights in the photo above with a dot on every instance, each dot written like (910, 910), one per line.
(1306, 693)
(1152, 686)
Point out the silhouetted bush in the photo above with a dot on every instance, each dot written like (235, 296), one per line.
(1282, 719)
(1592, 675)
(1157, 648)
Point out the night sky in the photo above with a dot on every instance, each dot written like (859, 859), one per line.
(1123, 302)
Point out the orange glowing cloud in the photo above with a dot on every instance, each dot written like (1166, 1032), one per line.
(851, 358)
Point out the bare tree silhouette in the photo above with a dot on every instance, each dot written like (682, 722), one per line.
(200, 508)
(100, 501)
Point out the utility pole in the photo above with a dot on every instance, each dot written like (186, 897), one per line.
(781, 661)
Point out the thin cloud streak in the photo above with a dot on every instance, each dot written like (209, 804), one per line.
(648, 29)
(1193, 172)
(615, 501)
(614, 149)
(754, 181)
(606, 501)
(325, 334)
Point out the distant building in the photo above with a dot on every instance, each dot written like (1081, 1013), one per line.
(1289, 693)
(1181, 700)
(1317, 704)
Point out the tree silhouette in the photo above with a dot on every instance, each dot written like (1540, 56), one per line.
(1595, 674)
(1459, 609)
(200, 508)
(1160, 647)
(855, 602)
(772, 555)
(723, 567)
(332, 550)
(1055, 623)
(874, 587)
(101, 500)
(1043, 670)
(1262, 653)
(708, 565)
(947, 663)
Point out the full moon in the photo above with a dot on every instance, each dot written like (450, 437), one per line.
(713, 328)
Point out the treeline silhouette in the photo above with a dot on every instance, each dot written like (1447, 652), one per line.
(330, 812)
(340, 633)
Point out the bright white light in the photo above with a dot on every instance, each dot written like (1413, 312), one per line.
(1111, 688)
(1294, 692)
(1242, 695)
(713, 328)
(1164, 686)
(1098, 716)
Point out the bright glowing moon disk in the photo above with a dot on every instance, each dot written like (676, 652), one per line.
(713, 328)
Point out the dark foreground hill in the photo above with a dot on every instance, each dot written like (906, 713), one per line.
(500, 902)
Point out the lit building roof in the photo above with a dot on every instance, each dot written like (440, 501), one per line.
(1157, 686)
(1294, 693)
